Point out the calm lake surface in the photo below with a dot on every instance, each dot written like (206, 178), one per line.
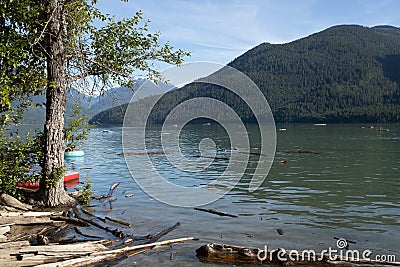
(349, 188)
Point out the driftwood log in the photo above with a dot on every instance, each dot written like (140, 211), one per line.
(217, 212)
(112, 188)
(79, 232)
(8, 200)
(303, 152)
(91, 214)
(42, 245)
(80, 254)
(237, 255)
(116, 232)
(75, 221)
(26, 220)
(157, 236)
(29, 214)
(126, 154)
(121, 222)
(104, 254)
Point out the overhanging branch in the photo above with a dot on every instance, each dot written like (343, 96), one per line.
(123, 74)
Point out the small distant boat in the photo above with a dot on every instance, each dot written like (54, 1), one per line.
(319, 124)
(74, 153)
(220, 149)
(207, 124)
(381, 129)
(282, 129)
(106, 131)
(71, 179)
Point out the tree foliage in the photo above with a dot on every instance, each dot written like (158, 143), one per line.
(17, 156)
(22, 75)
(111, 51)
(77, 130)
(22, 69)
(57, 45)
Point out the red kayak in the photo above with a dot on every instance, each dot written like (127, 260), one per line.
(71, 179)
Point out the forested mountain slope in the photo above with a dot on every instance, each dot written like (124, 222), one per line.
(346, 73)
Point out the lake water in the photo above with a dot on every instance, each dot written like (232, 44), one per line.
(348, 188)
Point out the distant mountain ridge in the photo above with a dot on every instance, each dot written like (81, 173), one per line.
(346, 73)
(387, 29)
(90, 105)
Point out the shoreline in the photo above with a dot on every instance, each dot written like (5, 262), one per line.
(43, 238)
(70, 236)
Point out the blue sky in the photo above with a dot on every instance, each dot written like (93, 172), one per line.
(220, 30)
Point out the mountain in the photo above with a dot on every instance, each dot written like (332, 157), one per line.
(387, 29)
(90, 105)
(114, 97)
(346, 73)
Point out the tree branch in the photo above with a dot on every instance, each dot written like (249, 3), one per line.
(123, 74)
(82, 76)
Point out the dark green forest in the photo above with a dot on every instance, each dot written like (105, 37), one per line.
(346, 73)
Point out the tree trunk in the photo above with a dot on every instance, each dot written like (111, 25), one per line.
(51, 190)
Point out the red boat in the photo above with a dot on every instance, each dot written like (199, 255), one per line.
(71, 176)
(71, 179)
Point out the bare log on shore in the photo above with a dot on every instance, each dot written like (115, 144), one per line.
(21, 253)
(26, 220)
(8, 200)
(237, 255)
(32, 255)
(79, 248)
(145, 246)
(220, 213)
(104, 255)
(4, 229)
(28, 214)
(16, 244)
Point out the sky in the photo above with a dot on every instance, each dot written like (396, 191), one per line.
(221, 30)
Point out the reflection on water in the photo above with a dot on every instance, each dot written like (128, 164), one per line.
(348, 187)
